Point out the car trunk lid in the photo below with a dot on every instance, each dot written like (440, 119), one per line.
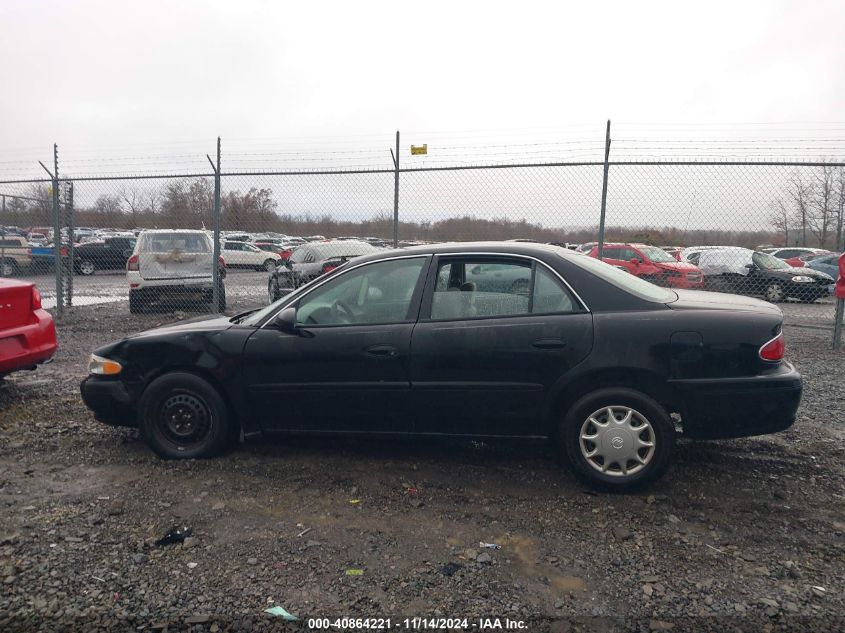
(15, 303)
(175, 256)
(701, 300)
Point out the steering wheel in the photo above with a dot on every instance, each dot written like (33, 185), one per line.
(340, 306)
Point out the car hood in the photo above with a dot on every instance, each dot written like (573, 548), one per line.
(679, 266)
(703, 300)
(806, 272)
(197, 324)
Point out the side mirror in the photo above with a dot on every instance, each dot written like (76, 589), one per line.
(286, 320)
(635, 261)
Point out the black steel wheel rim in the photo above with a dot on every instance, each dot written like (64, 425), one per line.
(184, 419)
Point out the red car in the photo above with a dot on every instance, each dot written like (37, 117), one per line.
(27, 331)
(652, 263)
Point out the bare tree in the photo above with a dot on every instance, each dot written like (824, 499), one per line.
(820, 203)
(781, 218)
(134, 202)
(799, 192)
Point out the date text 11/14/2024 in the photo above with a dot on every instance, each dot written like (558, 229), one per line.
(418, 624)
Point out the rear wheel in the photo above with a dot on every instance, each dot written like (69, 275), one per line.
(774, 293)
(221, 298)
(183, 417)
(270, 265)
(617, 439)
(8, 268)
(272, 290)
(136, 305)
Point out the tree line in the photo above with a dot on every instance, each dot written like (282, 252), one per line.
(809, 212)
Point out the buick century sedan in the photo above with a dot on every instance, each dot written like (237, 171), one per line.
(502, 339)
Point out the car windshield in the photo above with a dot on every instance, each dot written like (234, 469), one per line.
(168, 242)
(258, 316)
(624, 280)
(657, 254)
(768, 262)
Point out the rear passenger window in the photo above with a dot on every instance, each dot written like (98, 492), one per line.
(549, 295)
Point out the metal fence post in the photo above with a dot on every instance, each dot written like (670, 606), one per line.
(396, 192)
(215, 267)
(604, 190)
(69, 267)
(57, 230)
(837, 323)
(3, 241)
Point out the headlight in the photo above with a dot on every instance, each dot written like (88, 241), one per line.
(103, 366)
(802, 279)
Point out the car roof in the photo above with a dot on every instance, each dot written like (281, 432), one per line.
(529, 249)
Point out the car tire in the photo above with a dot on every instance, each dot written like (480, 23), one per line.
(86, 267)
(272, 290)
(181, 416)
(136, 303)
(8, 268)
(774, 293)
(269, 265)
(643, 430)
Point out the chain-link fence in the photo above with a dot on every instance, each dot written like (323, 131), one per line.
(178, 243)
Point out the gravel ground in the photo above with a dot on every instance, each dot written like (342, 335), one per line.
(740, 535)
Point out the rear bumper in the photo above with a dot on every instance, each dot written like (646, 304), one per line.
(715, 408)
(110, 400)
(28, 345)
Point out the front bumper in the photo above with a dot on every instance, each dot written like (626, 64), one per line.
(111, 401)
(676, 281)
(717, 408)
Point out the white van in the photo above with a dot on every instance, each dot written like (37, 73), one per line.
(172, 264)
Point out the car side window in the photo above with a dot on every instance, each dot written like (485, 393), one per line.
(380, 292)
(478, 289)
(549, 295)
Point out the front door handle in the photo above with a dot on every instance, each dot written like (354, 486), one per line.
(382, 351)
(548, 343)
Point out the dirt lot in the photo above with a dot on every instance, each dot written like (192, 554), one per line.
(742, 535)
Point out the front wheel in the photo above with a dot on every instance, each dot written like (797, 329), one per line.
(617, 439)
(87, 267)
(270, 265)
(184, 417)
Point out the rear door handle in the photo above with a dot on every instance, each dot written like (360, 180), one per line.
(382, 351)
(548, 343)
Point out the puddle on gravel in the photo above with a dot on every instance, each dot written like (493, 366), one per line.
(525, 556)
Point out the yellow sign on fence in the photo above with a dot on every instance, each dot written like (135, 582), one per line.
(422, 149)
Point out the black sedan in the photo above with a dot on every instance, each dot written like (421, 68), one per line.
(413, 341)
(108, 254)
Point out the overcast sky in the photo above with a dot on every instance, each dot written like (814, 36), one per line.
(105, 73)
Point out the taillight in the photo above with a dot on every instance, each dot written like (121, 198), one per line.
(63, 251)
(132, 263)
(773, 350)
(36, 299)
(286, 254)
(221, 261)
